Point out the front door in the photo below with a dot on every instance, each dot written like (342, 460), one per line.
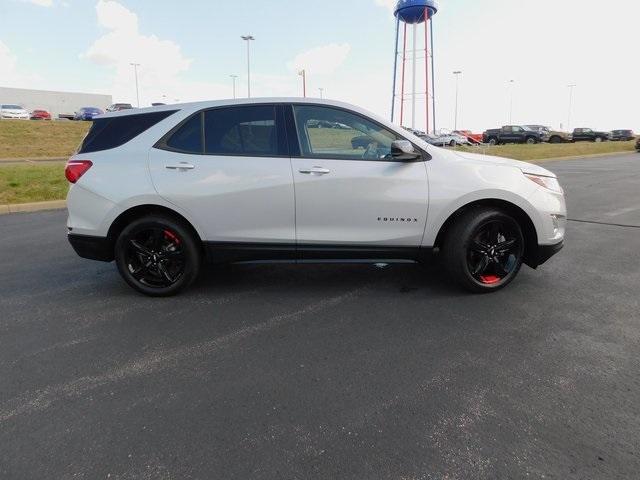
(229, 169)
(349, 190)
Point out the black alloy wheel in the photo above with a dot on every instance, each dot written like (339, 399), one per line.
(483, 250)
(495, 252)
(157, 256)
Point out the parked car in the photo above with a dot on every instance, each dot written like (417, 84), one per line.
(116, 107)
(555, 136)
(445, 139)
(66, 116)
(589, 135)
(160, 190)
(621, 135)
(474, 138)
(638, 144)
(87, 113)
(514, 134)
(40, 115)
(13, 111)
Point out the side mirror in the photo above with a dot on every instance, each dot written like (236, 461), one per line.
(403, 150)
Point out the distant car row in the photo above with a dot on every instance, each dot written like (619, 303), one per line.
(532, 134)
(17, 112)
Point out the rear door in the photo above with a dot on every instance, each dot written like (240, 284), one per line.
(350, 192)
(229, 168)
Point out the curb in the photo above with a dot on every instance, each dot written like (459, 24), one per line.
(33, 207)
(12, 161)
(579, 157)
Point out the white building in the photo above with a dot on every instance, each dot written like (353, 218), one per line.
(56, 103)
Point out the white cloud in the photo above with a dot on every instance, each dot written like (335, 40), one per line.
(390, 4)
(10, 74)
(321, 60)
(161, 61)
(42, 3)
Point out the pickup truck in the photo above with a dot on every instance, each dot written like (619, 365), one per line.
(514, 134)
(555, 136)
(589, 135)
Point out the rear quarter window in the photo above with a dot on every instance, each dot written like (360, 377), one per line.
(108, 133)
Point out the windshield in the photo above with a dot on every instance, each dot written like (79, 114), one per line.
(527, 129)
(12, 107)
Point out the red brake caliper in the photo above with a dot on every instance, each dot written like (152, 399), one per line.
(490, 279)
(172, 236)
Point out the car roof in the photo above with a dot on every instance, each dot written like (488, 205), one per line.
(195, 106)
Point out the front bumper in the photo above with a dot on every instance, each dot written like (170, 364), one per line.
(545, 252)
(92, 248)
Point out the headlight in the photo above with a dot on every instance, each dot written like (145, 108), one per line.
(550, 183)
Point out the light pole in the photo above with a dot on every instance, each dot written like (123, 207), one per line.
(248, 39)
(457, 73)
(303, 74)
(135, 70)
(321, 93)
(511, 82)
(234, 78)
(571, 87)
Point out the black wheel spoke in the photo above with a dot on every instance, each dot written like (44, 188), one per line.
(479, 247)
(481, 266)
(165, 273)
(504, 247)
(141, 249)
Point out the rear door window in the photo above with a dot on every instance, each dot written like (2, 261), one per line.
(242, 131)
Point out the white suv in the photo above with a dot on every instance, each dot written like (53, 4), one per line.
(160, 190)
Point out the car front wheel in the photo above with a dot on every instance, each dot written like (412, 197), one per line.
(483, 250)
(157, 256)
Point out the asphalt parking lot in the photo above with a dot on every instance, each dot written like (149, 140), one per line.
(341, 372)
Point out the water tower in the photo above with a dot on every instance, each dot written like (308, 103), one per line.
(414, 13)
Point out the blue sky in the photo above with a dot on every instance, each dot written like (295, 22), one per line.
(189, 48)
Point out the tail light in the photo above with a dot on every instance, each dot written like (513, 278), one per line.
(76, 169)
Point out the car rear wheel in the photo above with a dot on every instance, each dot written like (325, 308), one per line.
(483, 250)
(493, 141)
(555, 140)
(452, 143)
(157, 256)
(598, 139)
(531, 141)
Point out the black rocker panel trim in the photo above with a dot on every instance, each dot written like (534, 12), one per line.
(231, 252)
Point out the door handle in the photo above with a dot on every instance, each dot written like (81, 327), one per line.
(180, 166)
(315, 171)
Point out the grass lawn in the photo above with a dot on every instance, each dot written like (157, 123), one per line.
(39, 139)
(32, 183)
(547, 150)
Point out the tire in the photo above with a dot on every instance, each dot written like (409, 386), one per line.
(158, 256)
(452, 143)
(460, 255)
(531, 141)
(493, 141)
(598, 140)
(555, 139)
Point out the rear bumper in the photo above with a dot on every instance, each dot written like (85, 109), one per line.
(92, 248)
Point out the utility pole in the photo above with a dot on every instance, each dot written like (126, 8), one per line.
(457, 73)
(511, 83)
(571, 87)
(234, 78)
(135, 70)
(248, 39)
(303, 74)
(321, 93)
